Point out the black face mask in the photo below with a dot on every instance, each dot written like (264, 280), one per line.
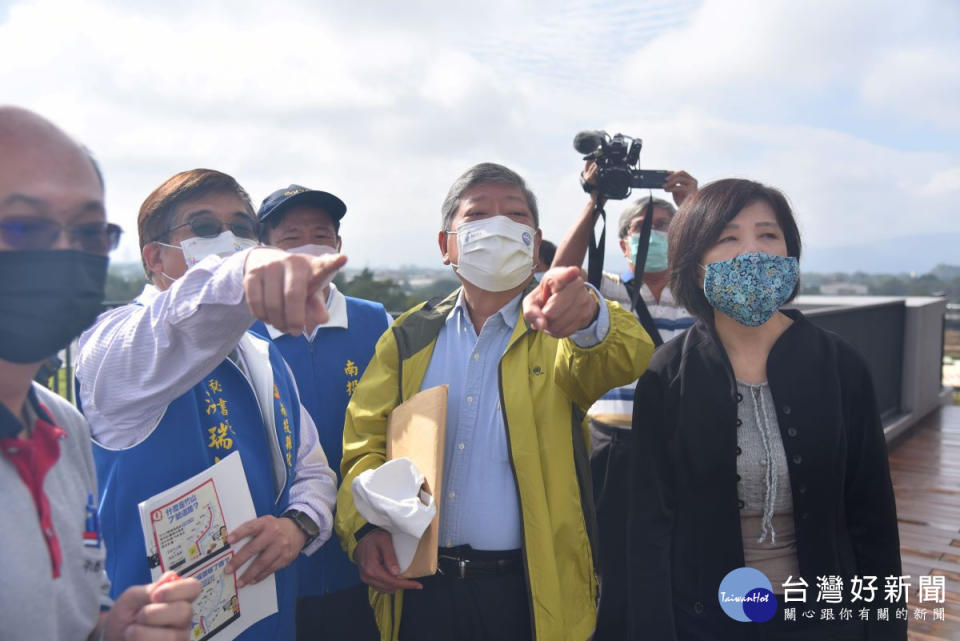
(47, 298)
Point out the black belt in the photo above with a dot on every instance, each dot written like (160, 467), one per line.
(464, 562)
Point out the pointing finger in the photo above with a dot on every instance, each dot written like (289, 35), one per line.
(559, 277)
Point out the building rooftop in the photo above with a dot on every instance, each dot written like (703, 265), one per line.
(925, 466)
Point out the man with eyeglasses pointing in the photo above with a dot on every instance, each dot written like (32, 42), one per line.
(173, 382)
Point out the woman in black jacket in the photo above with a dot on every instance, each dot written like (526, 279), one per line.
(757, 444)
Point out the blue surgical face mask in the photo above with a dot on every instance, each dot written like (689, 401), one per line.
(656, 251)
(751, 287)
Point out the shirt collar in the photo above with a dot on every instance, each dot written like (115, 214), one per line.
(33, 411)
(336, 308)
(149, 293)
(508, 313)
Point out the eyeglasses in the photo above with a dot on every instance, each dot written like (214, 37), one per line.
(31, 233)
(210, 227)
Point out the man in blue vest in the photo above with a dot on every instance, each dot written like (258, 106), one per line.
(327, 361)
(174, 382)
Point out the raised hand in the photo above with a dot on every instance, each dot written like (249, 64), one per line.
(282, 288)
(561, 304)
(680, 184)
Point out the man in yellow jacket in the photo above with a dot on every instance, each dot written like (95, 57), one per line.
(517, 525)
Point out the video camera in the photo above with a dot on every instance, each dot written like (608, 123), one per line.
(617, 159)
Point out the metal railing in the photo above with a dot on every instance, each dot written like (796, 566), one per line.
(876, 330)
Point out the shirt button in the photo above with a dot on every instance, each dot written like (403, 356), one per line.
(739, 422)
(449, 543)
(739, 451)
(476, 356)
(739, 400)
(797, 459)
(460, 446)
(802, 489)
(791, 431)
(786, 409)
(452, 495)
(469, 399)
(698, 607)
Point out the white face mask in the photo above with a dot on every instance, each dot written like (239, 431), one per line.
(316, 250)
(496, 253)
(226, 244)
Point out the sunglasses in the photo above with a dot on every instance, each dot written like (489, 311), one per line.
(210, 227)
(32, 233)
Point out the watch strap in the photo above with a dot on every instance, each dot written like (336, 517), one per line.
(305, 523)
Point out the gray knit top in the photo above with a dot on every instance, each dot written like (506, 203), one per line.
(766, 502)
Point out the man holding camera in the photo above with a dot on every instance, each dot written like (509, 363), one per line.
(610, 417)
(517, 544)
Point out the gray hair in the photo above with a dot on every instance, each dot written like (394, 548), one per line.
(636, 209)
(484, 174)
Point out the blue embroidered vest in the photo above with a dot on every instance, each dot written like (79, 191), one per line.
(327, 371)
(217, 416)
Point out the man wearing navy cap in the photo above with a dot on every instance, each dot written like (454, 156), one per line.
(327, 362)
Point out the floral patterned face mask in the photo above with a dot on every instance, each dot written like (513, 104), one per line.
(751, 287)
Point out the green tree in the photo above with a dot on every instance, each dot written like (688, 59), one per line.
(426, 292)
(887, 285)
(364, 285)
(122, 285)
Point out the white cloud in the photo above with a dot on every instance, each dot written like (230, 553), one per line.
(918, 82)
(386, 104)
(943, 183)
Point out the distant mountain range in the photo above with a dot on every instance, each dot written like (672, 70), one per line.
(918, 254)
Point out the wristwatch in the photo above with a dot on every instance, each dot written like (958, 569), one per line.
(305, 523)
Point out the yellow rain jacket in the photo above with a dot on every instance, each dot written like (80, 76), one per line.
(546, 385)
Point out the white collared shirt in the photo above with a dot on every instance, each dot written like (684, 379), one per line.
(337, 310)
(480, 504)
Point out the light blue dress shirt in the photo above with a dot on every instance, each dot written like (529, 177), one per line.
(480, 504)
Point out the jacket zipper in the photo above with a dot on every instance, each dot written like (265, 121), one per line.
(516, 482)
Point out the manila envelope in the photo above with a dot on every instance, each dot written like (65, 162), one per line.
(416, 430)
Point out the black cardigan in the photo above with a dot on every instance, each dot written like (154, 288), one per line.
(684, 516)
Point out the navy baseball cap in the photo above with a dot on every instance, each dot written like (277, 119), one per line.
(282, 199)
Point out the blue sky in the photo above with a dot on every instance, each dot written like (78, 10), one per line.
(851, 108)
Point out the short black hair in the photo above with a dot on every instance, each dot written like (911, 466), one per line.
(547, 251)
(698, 225)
